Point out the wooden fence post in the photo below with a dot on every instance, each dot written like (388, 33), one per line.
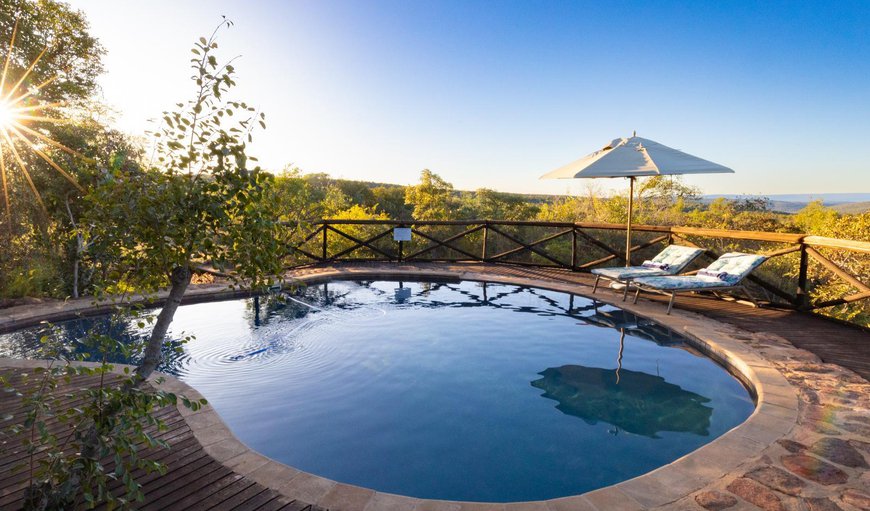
(573, 251)
(325, 228)
(400, 244)
(483, 246)
(802, 300)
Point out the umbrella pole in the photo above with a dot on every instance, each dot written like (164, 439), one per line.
(628, 228)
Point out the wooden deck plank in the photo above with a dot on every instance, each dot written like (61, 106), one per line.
(222, 495)
(296, 505)
(206, 490)
(280, 502)
(240, 498)
(205, 475)
(257, 502)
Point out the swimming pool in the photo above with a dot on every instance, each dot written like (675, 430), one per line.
(450, 390)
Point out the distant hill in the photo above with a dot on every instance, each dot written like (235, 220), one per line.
(852, 208)
(828, 198)
(848, 203)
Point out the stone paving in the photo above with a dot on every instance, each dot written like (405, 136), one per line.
(806, 448)
(821, 465)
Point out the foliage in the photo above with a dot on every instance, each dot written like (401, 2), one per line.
(70, 47)
(486, 203)
(200, 203)
(391, 201)
(432, 198)
(39, 244)
(60, 470)
(147, 227)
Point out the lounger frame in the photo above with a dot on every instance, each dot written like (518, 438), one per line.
(673, 292)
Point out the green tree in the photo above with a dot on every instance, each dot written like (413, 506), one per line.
(69, 47)
(493, 205)
(815, 218)
(432, 198)
(391, 201)
(145, 229)
(41, 253)
(200, 204)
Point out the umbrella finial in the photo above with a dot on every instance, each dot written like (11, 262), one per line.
(633, 133)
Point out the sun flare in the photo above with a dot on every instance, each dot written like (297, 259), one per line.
(20, 108)
(6, 115)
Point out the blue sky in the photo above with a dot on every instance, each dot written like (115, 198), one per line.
(495, 93)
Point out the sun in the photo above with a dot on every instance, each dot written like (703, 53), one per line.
(7, 115)
(20, 108)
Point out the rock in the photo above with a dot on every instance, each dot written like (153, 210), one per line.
(809, 396)
(777, 479)
(815, 368)
(860, 444)
(792, 446)
(839, 451)
(820, 413)
(814, 469)
(858, 428)
(821, 504)
(822, 428)
(857, 499)
(715, 500)
(752, 492)
(859, 418)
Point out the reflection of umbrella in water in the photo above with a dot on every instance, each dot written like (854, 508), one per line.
(640, 403)
(619, 319)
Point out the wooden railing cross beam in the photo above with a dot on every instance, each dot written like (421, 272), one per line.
(649, 243)
(836, 270)
(304, 241)
(532, 244)
(361, 243)
(528, 247)
(602, 246)
(445, 243)
(841, 301)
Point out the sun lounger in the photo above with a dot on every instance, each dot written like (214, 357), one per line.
(725, 273)
(670, 261)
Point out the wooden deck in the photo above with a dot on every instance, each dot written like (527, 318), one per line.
(196, 481)
(193, 479)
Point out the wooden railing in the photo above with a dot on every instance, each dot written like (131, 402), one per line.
(583, 246)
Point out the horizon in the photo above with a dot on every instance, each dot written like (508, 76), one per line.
(493, 97)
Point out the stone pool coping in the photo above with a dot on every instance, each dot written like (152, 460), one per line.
(775, 416)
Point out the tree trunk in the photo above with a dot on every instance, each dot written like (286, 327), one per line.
(179, 280)
(79, 249)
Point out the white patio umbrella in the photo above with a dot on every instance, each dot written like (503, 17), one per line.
(632, 158)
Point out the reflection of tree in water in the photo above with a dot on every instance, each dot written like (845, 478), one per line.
(292, 311)
(436, 294)
(640, 403)
(74, 335)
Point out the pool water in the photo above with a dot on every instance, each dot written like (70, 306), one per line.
(459, 391)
